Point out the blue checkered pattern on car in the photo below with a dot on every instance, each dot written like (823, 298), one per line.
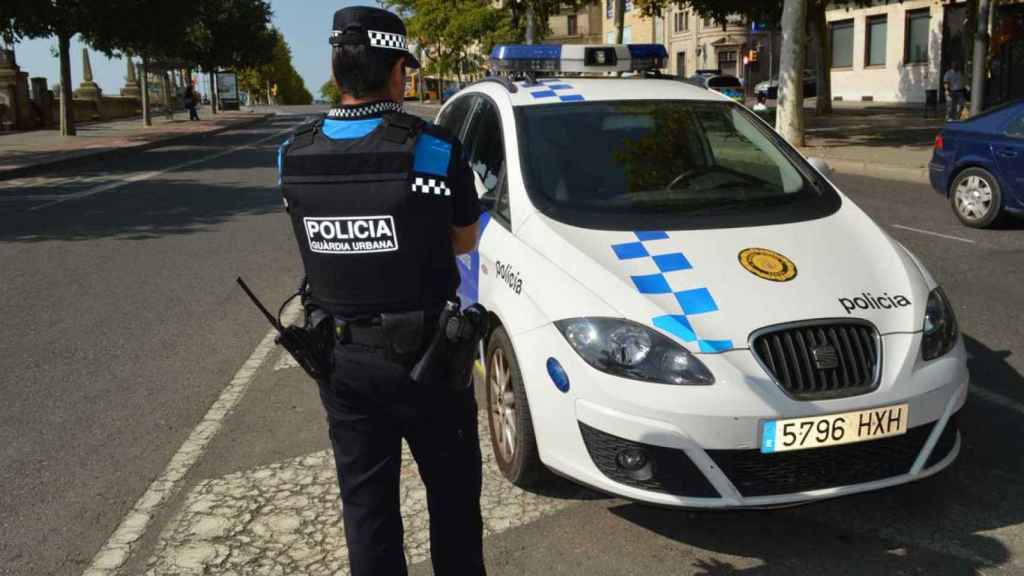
(554, 89)
(692, 302)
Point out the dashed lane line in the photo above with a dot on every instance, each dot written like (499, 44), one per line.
(118, 548)
(147, 175)
(936, 234)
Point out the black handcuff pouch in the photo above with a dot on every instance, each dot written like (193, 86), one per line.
(403, 334)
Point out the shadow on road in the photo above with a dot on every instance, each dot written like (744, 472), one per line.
(941, 525)
(181, 201)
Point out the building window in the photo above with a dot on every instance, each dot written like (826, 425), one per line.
(708, 23)
(842, 44)
(681, 64)
(573, 25)
(916, 48)
(875, 42)
(682, 22)
(629, 5)
(609, 8)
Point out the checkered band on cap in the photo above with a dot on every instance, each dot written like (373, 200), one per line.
(387, 40)
(364, 110)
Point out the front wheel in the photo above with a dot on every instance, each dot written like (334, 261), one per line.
(976, 197)
(508, 411)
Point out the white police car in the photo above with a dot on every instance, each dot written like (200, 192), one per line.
(686, 312)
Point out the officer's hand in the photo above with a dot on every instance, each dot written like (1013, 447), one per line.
(464, 238)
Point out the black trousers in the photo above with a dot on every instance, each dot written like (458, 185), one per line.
(371, 405)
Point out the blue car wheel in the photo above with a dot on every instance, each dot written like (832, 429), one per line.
(976, 197)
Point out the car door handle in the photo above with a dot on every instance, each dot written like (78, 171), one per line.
(1008, 153)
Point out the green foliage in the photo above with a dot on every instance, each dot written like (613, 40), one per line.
(229, 34)
(329, 91)
(277, 70)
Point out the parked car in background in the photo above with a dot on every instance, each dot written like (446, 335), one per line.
(723, 84)
(770, 88)
(979, 165)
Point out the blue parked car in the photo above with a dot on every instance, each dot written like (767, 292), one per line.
(979, 165)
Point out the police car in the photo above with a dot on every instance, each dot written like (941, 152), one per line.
(685, 311)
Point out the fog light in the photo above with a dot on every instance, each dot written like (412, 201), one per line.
(632, 459)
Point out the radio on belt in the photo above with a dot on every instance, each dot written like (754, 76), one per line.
(578, 58)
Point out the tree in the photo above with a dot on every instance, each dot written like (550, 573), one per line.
(329, 91)
(789, 118)
(60, 18)
(279, 71)
(157, 33)
(229, 34)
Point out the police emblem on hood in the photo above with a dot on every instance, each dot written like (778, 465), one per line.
(767, 264)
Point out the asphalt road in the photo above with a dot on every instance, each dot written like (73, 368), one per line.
(123, 326)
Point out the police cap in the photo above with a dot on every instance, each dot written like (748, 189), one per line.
(374, 28)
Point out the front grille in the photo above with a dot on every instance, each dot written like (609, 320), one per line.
(672, 470)
(821, 360)
(757, 474)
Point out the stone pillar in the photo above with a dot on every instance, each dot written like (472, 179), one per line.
(14, 104)
(87, 90)
(131, 85)
(43, 98)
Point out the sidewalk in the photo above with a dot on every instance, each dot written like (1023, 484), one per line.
(879, 140)
(32, 152)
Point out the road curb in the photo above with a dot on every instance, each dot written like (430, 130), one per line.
(86, 157)
(874, 169)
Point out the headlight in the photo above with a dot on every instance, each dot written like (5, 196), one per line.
(631, 350)
(940, 329)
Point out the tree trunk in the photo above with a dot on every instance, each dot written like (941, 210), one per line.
(213, 94)
(620, 20)
(67, 109)
(823, 66)
(531, 24)
(980, 53)
(146, 119)
(789, 118)
(514, 17)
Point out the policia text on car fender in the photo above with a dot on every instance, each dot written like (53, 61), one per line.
(380, 203)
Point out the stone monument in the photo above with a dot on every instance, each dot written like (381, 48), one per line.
(131, 87)
(87, 90)
(14, 102)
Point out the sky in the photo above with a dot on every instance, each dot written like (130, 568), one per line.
(306, 25)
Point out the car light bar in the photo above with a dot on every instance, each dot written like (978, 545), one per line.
(578, 58)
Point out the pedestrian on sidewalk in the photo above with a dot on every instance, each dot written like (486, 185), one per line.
(381, 202)
(954, 84)
(191, 102)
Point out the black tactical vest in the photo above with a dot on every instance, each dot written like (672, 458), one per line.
(369, 243)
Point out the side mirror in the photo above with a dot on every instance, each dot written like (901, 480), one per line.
(821, 166)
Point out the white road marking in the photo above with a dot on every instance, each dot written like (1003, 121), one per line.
(118, 547)
(147, 175)
(930, 233)
(997, 398)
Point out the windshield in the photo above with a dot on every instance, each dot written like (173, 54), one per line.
(724, 82)
(625, 164)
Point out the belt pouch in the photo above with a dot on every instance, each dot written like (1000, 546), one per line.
(403, 333)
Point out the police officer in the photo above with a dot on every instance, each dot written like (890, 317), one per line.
(381, 203)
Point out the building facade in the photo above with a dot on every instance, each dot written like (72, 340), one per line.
(583, 26)
(696, 43)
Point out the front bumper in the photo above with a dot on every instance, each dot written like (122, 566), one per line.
(703, 441)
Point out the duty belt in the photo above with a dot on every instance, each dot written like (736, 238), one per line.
(363, 332)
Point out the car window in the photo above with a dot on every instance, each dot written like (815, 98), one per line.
(1016, 128)
(485, 151)
(453, 117)
(630, 163)
(724, 82)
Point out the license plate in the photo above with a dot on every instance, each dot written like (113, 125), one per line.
(833, 429)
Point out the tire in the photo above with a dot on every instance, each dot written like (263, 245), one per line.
(519, 460)
(976, 198)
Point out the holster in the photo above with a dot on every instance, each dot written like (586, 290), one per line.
(464, 333)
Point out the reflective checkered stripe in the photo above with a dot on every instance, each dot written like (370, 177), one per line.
(554, 90)
(658, 283)
(387, 40)
(364, 110)
(434, 186)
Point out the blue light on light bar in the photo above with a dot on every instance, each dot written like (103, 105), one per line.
(527, 52)
(647, 51)
(578, 58)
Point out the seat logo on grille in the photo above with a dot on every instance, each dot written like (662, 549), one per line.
(825, 357)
